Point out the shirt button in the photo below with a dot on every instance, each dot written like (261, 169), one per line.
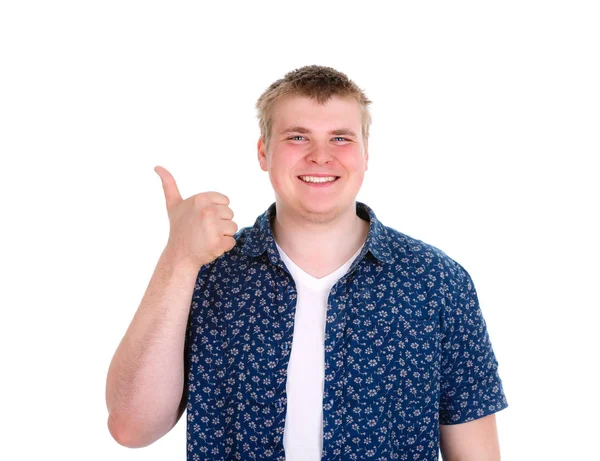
(284, 346)
(331, 402)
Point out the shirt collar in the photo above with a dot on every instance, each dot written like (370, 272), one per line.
(260, 237)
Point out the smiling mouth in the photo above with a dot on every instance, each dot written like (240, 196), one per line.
(318, 179)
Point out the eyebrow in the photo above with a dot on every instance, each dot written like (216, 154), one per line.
(301, 129)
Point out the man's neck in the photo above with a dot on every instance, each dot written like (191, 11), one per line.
(319, 248)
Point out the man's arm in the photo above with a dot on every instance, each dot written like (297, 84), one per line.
(145, 393)
(473, 441)
(146, 384)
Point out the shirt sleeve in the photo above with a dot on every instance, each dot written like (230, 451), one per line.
(471, 387)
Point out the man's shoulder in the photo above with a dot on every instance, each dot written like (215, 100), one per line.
(408, 249)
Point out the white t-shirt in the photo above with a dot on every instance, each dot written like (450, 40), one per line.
(303, 435)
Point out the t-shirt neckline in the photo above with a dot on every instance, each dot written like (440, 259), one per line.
(313, 282)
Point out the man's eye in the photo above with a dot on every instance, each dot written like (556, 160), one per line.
(298, 136)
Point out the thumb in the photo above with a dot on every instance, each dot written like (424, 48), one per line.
(172, 195)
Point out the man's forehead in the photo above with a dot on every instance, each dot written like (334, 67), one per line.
(301, 121)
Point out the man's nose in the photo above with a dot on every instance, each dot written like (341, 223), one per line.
(320, 154)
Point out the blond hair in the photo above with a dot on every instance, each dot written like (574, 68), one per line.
(319, 83)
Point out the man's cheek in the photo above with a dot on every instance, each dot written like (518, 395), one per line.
(276, 179)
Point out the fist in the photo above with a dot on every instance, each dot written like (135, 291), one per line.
(201, 226)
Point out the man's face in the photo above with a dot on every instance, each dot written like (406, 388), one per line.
(309, 139)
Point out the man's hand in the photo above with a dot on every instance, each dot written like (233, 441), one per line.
(201, 225)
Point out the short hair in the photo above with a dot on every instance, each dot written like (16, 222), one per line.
(319, 83)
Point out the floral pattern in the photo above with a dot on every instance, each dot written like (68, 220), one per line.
(406, 349)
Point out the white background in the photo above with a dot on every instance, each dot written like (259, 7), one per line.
(486, 122)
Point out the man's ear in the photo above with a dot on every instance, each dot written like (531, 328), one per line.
(366, 155)
(262, 155)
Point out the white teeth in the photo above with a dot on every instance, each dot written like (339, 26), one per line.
(317, 179)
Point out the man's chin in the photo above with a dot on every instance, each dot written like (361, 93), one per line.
(319, 212)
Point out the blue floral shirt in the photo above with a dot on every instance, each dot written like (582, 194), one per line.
(406, 349)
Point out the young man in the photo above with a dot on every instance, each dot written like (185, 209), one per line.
(317, 333)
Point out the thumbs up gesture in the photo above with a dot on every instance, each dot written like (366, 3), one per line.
(201, 225)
